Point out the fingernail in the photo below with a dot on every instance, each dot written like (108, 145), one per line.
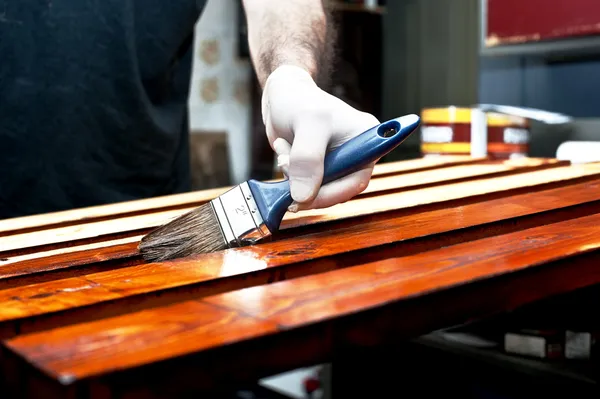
(301, 189)
(293, 207)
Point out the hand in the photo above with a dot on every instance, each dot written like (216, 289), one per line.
(303, 122)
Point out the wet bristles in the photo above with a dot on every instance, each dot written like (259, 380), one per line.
(195, 232)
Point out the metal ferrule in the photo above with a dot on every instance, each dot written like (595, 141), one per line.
(239, 217)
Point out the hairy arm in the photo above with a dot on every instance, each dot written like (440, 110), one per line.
(292, 32)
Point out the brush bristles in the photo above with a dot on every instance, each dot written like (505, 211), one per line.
(195, 232)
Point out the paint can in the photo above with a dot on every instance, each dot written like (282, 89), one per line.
(462, 131)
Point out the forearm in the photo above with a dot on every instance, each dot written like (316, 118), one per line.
(292, 32)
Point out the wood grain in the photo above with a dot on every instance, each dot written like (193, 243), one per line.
(93, 349)
(23, 302)
(118, 228)
(186, 200)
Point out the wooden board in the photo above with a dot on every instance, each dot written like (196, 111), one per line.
(81, 315)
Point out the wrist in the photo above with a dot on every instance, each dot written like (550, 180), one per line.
(289, 72)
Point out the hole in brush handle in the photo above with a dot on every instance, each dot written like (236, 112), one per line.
(367, 147)
(388, 129)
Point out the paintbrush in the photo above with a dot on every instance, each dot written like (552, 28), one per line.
(253, 210)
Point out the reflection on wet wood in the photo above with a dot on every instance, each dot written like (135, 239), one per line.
(431, 245)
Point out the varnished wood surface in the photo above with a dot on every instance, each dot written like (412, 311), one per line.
(20, 300)
(154, 335)
(431, 245)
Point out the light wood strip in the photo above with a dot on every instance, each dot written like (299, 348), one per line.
(425, 163)
(452, 174)
(417, 179)
(93, 253)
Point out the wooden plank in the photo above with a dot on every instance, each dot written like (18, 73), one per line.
(422, 164)
(104, 212)
(353, 305)
(136, 225)
(90, 294)
(186, 200)
(71, 256)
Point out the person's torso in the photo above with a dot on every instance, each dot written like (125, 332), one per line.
(93, 97)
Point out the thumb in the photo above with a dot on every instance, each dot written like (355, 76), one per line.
(305, 171)
(282, 149)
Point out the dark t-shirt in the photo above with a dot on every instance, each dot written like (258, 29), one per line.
(93, 101)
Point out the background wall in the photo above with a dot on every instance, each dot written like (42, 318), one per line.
(221, 82)
(570, 86)
(430, 59)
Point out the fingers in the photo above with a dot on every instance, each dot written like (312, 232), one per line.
(330, 194)
(282, 149)
(305, 171)
(338, 191)
(344, 188)
(270, 131)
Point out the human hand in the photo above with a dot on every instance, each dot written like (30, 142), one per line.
(303, 122)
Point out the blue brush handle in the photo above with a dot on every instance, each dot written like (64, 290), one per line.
(273, 199)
